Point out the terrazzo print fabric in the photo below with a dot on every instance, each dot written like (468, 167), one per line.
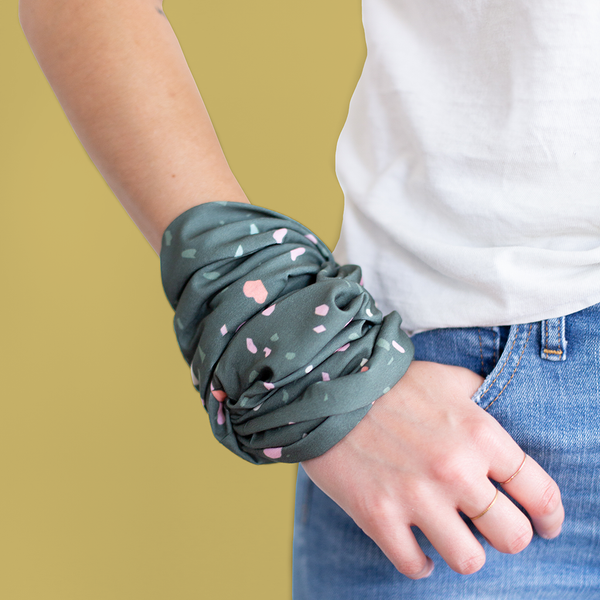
(286, 348)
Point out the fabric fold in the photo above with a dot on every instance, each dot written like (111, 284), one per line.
(286, 347)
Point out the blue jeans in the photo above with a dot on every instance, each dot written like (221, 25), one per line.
(542, 384)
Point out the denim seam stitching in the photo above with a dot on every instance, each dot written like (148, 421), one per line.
(503, 366)
(546, 349)
(516, 368)
(481, 352)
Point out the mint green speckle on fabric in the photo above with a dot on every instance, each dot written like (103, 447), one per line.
(383, 344)
(285, 347)
(211, 275)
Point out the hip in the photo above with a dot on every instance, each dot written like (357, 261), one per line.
(542, 383)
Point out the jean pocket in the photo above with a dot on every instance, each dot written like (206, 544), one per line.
(506, 367)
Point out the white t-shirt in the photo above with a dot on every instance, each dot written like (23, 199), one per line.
(470, 160)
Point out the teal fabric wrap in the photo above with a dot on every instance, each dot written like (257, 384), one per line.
(286, 347)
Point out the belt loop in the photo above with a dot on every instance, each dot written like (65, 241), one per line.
(554, 343)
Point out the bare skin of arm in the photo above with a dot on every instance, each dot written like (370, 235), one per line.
(120, 75)
(425, 450)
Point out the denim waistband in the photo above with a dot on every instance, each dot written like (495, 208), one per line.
(497, 353)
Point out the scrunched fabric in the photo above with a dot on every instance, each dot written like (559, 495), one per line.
(285, 346)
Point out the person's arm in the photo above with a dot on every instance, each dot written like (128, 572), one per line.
(118, 71)
(425, 449)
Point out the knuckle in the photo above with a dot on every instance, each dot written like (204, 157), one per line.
(549, 500)
(373, 515)
(411, 568)
(452, 470)
(521, 539)
(415, 493)
(480, 431)
(471, 564)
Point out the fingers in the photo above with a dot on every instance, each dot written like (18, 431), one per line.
(398, 543)
(537, 492)
(451, 537)
(504, 526)
(531, 487)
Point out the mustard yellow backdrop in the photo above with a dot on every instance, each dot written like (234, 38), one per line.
(112, 486)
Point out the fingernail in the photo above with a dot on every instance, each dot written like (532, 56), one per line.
(551, 536)
(428, 569)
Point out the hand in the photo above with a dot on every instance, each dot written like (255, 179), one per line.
(425, 451)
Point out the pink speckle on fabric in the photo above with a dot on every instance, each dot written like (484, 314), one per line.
(348, 323)
(292, 423)
(322, 310)
(319, 328)
(398, 346)
(325, 376)
(344, 347)
(239, 326)
(279, 235)
(269, 310)
(273, 453)
(296, 252)
(362, 281)
(224, 330)
(250, 345)
(268, 385)
(311, 237)
(220, 395)
(364, 369)
(267, 351)
(255, 289)
(220, 415)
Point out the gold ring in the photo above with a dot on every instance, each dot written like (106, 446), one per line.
(488, 508)
(517, 471)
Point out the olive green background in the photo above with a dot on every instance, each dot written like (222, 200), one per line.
(112, 486)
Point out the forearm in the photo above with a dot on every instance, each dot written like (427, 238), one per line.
(118, 71)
